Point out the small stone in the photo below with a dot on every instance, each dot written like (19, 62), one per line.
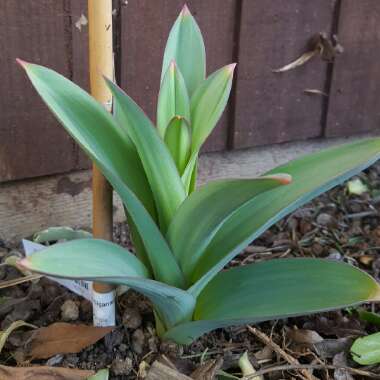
(113, 339)
(55, 360)
(123, 347)
(69, 311)
(334, 255)
(325, 219)
(138, 341)
(132, 318)
(121, 366)
(171, 348)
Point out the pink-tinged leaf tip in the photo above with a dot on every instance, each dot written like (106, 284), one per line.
(21, 62)
(185, 11)
(25, 263)
(231, 67)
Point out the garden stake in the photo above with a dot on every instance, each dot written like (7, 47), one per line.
(101, 63)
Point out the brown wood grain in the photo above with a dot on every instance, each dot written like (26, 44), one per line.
(354, 105)
(80, 74)
(145, 26)
(32, 143)
(272, 107)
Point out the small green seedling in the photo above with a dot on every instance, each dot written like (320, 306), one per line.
(184, 236)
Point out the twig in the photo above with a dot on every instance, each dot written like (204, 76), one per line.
(291, 367)
(290, 359)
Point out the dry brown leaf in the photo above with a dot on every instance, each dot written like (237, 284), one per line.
(159, 371)
(42, 373)
(63, 338)
(20, 280)
(208, 370)
(304, 337)
(298, 62)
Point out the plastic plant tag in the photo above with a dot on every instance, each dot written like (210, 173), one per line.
(80, 287)
(103, 305)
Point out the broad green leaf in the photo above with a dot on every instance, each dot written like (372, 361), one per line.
(190, 173)
(366, 350)
(178, 141)
(92, 127)
(204, 211)
(60, 233)
(162, 174)
(173, 99)
(312, 175)
(185, 45)
(208, 103)
(107, 145)
(276, 289)
(103, 261)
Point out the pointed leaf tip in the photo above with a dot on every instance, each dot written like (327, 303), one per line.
(185, 11)
(231, 68)
(282, 178)
(21, 62)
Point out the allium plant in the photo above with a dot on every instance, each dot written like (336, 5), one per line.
(183, 236)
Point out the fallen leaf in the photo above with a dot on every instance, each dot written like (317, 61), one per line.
(13, 326)
(208, 370)
(304, 337)
(330, 347)
(42, 373)
(63, 338)
(159, 371)
(20, 280)
(356, 187)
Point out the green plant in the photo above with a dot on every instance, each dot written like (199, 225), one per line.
(184, 237)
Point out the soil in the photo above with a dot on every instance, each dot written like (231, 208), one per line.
(337, 225)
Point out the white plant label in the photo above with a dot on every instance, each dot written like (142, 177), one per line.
(80, 287)
(103, 305)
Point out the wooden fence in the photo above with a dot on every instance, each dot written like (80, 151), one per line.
(260, 35)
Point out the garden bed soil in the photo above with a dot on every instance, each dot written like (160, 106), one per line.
(337, 226)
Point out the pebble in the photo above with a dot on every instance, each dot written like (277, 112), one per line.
(69, 311)
(121, 366)
(171, 348)
(138, 341)
(132, 318)
(325, 219)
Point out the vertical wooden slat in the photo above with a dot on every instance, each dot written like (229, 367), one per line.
(31, 142)
(272, 107)
(354, 104)
(80, 74)
(145, 26)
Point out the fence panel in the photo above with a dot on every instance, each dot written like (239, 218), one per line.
(355, 91)
(272, 107)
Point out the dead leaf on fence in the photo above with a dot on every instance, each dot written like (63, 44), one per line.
(63, 338)
(42, 373)
(320, 45)
(298, 62)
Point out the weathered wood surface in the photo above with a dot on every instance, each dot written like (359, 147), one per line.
(31, 142)
(354, 105)
(145, 26)
(272, 107)
(65, 200)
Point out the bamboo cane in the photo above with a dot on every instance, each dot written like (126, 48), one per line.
(101, 63)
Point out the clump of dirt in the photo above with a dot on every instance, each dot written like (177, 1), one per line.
(337, 225)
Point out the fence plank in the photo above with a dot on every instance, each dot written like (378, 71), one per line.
(80, 74)
(32, 143)
(145, 26)
(272, 107)
(354, 97)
